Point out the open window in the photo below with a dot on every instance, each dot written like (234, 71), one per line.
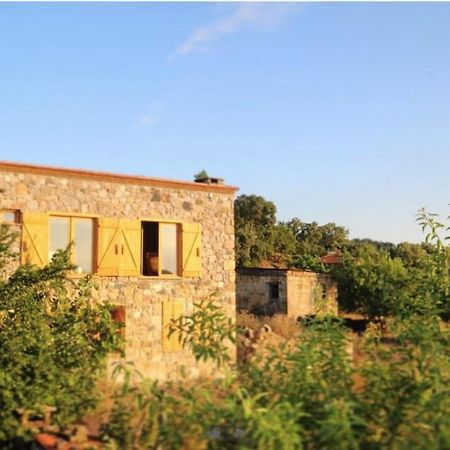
(160, 249)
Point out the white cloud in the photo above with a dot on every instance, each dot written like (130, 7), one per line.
(147, 120)
(150, 117)
(245, 17)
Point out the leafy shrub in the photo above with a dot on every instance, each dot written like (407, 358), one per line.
(53, 342)
(206, 332)
(375, 283)
(312, 395)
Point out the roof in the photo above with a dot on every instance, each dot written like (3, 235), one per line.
(272, 265)
(7, 166)
(331, 258)
(271, 269)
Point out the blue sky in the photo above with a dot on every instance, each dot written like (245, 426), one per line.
(335, 112)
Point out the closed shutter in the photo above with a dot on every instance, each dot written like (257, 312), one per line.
(178, 311)
(109, 241)
(130, 247)
(191, 255)
(34, 243)
(171, 310)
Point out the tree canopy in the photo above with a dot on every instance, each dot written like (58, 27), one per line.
(295, 243)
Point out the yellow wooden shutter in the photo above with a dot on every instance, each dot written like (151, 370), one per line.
(34, 239)
(191, 245)
(171, 310)
(130, 248)
(178, 311)
(109, 242)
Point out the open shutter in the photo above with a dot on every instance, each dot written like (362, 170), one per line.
(109, 241)
(171, 310)
(130, 248)
(34, 239)
(191, 256)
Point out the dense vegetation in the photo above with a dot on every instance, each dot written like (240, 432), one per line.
(374, 278)
(53, 342)
(306, 393)
(310, 392)
(298, 244)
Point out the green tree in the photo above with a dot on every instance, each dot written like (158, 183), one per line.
(354, 245)
(412, 255)
(380, 280)
(314, 241)
(372, 283)
(258, 236)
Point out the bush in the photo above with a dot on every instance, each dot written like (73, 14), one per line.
(53, 341)
(401, 281)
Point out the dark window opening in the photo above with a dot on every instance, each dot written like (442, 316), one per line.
(118, 315)
(160, 248)
(274, 290)
(150, 248)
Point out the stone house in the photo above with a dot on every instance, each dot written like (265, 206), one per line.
(295, 292)
(153, 246)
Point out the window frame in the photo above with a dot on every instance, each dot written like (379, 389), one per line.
(72, 218)
(17, 216)
(179, 248)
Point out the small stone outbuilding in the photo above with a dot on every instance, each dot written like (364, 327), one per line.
(295, 292)
(153, 246)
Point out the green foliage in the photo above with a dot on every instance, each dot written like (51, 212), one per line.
(373, 283)
(254, 225)
(354, 245)
(412, 255)
(295, 243)
(206, 332)
(397, 280)
(201, 175)
(313, 241)
(304, 397)
(284, 243)
(407, 395)
(311, 394)
(53, 342)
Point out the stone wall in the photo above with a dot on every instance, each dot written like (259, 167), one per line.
(51, 191)
(301, 293)
(310, 293)
(252, 291)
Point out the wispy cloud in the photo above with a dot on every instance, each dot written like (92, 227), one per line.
(244, 17)
(150, 117)
(147, 119)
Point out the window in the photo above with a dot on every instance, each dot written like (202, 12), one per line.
(111, 246)
(78, 230)
(10, 216)
(118, 314)
(160, 249)
(274, 291)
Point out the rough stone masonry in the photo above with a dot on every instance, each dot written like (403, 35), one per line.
(29, 188)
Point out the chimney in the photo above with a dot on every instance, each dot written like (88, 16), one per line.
(210, 180)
